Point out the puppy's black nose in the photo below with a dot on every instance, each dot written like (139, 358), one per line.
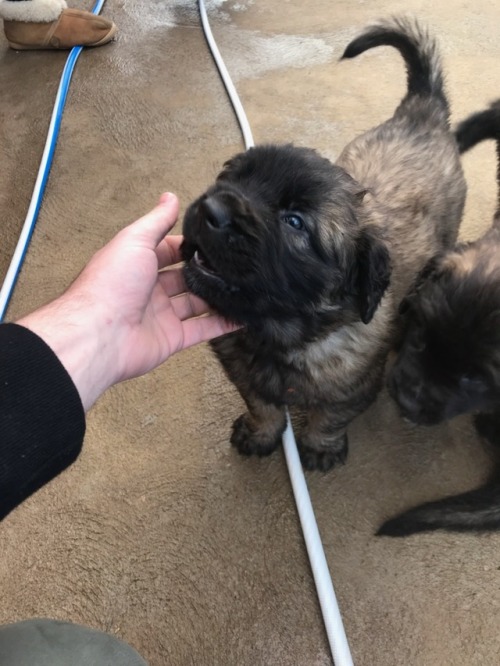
(216, 214)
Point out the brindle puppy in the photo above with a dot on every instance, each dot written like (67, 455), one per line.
(449, 362)
(313, 257)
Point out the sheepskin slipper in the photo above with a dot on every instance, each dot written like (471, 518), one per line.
(36, 29)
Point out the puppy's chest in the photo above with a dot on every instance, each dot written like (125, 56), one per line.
(305, 376)
(320, 368)
(281, 380)
(272, 376)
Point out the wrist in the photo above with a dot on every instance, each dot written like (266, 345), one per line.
(81, 339)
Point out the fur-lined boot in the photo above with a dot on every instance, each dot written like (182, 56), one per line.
(49, 24)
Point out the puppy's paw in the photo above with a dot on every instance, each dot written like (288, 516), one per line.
(324, 460)
(250, 442)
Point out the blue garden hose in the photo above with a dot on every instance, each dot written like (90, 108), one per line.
(43, 174)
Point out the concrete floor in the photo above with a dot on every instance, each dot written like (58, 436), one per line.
(160, 533)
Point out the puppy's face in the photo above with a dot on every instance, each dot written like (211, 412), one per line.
(277, 238)
(449, 362)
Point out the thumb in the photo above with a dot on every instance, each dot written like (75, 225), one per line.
(150, 229)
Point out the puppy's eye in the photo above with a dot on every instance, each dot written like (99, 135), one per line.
(475, 384)
(293, 220)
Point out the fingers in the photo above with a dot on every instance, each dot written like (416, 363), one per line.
(183, 303)
(172, 282)
(204, 328)
(168, 251)
(187, 305)
(151, 230)
(153, 227)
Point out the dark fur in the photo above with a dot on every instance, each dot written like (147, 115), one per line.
(318, 310)
(449, 363)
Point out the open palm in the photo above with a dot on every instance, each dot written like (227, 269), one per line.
(135, 282)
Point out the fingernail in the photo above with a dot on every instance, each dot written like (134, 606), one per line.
(167, 197)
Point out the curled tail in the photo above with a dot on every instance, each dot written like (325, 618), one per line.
(420, 53)
(479, 127)
(473, 511)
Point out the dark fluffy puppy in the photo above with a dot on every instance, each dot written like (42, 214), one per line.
(449, 362)
(301, 250)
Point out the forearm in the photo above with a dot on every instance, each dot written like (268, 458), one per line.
(78, 336)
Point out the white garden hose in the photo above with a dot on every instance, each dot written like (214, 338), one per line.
(329, 607)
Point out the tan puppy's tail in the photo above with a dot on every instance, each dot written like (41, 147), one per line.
(420, 53)
(480, 127)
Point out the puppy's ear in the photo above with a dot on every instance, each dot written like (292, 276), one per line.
(234, 164)
(373, 272)
(430, 271)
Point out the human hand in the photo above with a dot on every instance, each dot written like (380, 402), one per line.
(121, 317)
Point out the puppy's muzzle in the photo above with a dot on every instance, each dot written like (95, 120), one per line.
(228, 213)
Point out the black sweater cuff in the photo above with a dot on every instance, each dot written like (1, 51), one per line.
(42, 420)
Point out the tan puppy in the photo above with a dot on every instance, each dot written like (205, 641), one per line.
(314, 257)
(449, 362)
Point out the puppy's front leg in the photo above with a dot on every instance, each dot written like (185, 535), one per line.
(324, 444)
(259, 430)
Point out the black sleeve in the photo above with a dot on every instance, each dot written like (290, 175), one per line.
(42, 420)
